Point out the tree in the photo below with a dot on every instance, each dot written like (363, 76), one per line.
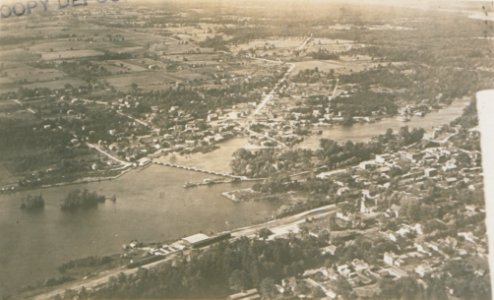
(33, 202)
(264, 233)
(134, 87)
(347, 120)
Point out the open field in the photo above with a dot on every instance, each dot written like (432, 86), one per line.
(56, 84)
(70, 54)
(5, 81)
(29, 74)
(126, 65)
(17, 55)
(111, 67)
(273, 43)
(144, 80)
(328, 65)
(68, 45)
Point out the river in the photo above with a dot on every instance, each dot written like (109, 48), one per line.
(151, 205)
(363, 132)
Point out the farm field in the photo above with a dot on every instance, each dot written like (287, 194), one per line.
(56, 84)
(328, 65)
(277, 43)
(70, 54)
(145, 80)
(29, 74)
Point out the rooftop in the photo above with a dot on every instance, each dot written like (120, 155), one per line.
(195, 238)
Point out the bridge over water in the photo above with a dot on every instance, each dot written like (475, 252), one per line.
(195, 169)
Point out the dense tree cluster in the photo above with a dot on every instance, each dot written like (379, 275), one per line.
(323, 54)
(217, 42)
(365, 103)
(81, 199)
(312, 76)
(382, 76)
(31, 202)
(90, 261)
(222, 269)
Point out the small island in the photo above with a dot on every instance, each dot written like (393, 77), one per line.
(31, 202)
(81, 199)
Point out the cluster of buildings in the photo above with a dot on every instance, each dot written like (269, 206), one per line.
(405, 234)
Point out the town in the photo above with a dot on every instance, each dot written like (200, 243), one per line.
(316, 151)
(409, 222)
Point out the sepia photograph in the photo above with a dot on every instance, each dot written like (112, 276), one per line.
(246, 149)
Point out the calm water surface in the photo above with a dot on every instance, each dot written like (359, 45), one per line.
(363, 132)
(151, 205)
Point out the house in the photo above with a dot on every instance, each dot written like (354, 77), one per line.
(414, 156)
(218, 137)
(144, 161)
(312, 272)
(423, 270)
(382, 158)
(212, 117)
(451, 180)
(430, 172)
(395, 272)
(195, 239)
(468, 236)
(389, 258)
(359, 265)
(342, 190)
(367, 165)
(233, 115)
(395, 209)
(343, 270)
(450, 165)
(331, 249)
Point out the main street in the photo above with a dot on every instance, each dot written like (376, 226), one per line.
(271, 95)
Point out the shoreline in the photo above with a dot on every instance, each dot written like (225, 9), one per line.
(76, 181)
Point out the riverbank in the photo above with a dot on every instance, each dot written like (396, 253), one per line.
(83, 180)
